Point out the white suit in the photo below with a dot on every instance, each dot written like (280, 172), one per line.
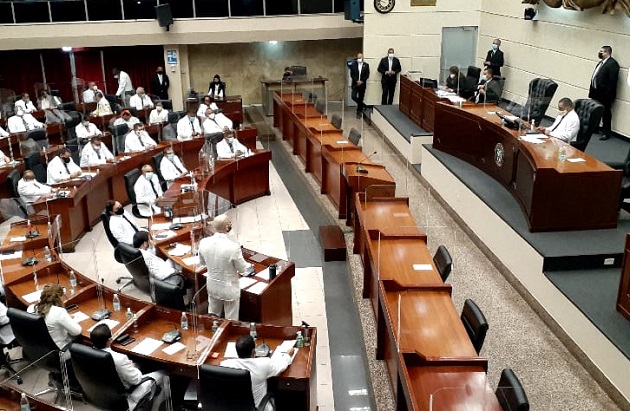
(84, 133)
(28, 108)
(133, 142)
(186, 128)
(30, 191)
(124, 84)
(123, 229)
(171, 169)
(211, 126)
(146, 196)
(156, 117)
(92, 157)
(224, 151)
(17, 124)
(140, 102)
(59, 171)
(158, 268)
(565, 127)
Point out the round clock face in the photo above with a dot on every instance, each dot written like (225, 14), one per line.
(384, 6)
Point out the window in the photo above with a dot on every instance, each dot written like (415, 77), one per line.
(247, 7)
(99, 10)
(211, 8)
(67, 11)
(29, 12)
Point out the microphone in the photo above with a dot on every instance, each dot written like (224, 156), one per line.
(360, 169)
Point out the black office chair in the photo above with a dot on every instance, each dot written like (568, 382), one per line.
(130, 181)
(119, 132)
(39, 349)
(181, 114)
(33, 163)
(510, 392)
(443, 261)
(157, 160)
(6, 363)
(96, 372)
(71, 123)
(475, 324)
(590, 113)
(166, 104)
(354, 136)
(132, 110)
(69, 106)
(12, 183)
(541, 91)
(320, 106)
(335, 120)
(112, 99)
(625, 184)
(170, 293)
(228, 389)
(112, 240)
(472, 79)
(134, 262)
(39, 136)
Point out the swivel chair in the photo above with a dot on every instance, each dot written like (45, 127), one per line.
(335, 120)
(475, 324)
(134, 262)
(590, 113)
(12, 182)
(33, 163)
(112, 240)
(130, 181)
(510, 392)
(354, 136)
(228, 389)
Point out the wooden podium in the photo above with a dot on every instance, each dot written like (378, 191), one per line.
(623, 296)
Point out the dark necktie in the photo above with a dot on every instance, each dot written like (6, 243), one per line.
(175, 165)
(140, 140)
(153, 188)
(556, 126)
(98, 152)
(231, 147)
(36, 185)
(66, 166)
(130, 223)
(25, 124)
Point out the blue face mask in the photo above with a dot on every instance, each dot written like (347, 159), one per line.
(495, 47)
(149, 175)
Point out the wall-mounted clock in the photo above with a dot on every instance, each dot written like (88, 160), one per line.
(384, 6)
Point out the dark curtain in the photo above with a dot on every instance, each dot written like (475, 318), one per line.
(20, 70)
(88, 64)
(58, 74)
(139, 62)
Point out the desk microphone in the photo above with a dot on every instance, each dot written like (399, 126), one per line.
(360, 169)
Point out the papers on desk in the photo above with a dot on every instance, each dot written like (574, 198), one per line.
(160, 226)
(534, 138)
(164, 235)
(10, 256)
(444, 93)
(264, 274)
(258, 288)
(32, 297)
(147, 346)
(187, 220)
(191, 261)
(88, 175)
(173, 348)
(80, 316)
(342, 142)
(110, 323)
(245, 282)
(180, 250)
(230, 350)
(18, 239)
(285, 347)
(575, 160)
(202, 342)
(422, 267)
(259, 258)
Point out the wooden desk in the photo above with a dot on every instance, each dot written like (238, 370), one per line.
(231, 106)
(10, 400)
(418, 103)
(376, 178)
(623, 295)
(554, 195)
(315, 86)
(20, 229)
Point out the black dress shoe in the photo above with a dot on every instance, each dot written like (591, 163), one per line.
(604, 137)
(359, 115)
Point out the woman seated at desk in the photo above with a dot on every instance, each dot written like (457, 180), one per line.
(455, 80)
(216, 89)
(61, 327)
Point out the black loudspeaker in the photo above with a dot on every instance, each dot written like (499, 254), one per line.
(163, 15)
(352, 9)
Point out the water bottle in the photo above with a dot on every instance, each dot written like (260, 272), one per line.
(299, 340)
(215, 326)
(47, 254)
(116, 303)
(562, 153)
(129, 314)
(252, 331)
(533, 128)
(73, 282)
(184, 321)
(24, 405)
(272, 271)
(135, 323)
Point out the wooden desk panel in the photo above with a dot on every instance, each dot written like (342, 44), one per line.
(376, 177)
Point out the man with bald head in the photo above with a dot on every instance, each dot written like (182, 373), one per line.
(148, 190)
(140, 100)
(224, 259)
(30, 189)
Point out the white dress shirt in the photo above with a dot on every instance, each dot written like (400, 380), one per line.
(17, 124)
(133, 142)
(260, 369)
(169, 168)
(85, 133)
(224, 260)
(61, 327)
(140, 102)
(145, 196)
(122, 229)
(59, 171)
(124, 83)
(3, 158)
(93, 157)
(218, 92)
(88, 95)
(6, 333)
(156, 117)
(158, 268)
(102, 108)
(30, 191)
(186, 128)
(221, 118)
(565, 127)
(201, 112)
(132, 120)
(129, 374)
(3, 133)
(49, 102)
(224, 151)
(211, 126)
(27, 107)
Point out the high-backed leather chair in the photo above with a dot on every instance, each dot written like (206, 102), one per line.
(475, 323)
(166, 104)
(443, 261)
(119, 132)
(510, 392)
(336, 120)
(71, 123)
(73, 145)
(102, 387)
(590, 113)
(157, 160)
(625, 184)
(228, 389)
(112, 240)
(134, 262)
(540, 94)
(132, 110)
(354, 136)
(169, 294)
(39, 136)
(130, 180)
(33, 163)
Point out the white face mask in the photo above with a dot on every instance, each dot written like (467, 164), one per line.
(158, 108)
(94, 88)
(452, 75)
(359, 60)
(230, 140)
(116, 76)
(391, 55)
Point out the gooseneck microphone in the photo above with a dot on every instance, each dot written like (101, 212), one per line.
(363, 170)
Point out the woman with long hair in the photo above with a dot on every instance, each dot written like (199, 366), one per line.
(62, 328)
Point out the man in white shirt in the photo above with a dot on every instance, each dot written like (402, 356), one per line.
(125, 88)
(22, 122)
(89, 95)
(171, 166)
(121, 223)
(158, 268)
(140, 100)
(102, 106)
(203, 108)
(567, 123)
(128, 119)
(158, 114)
(129, 374)
(86, 130)
(25, 104)
(138, 140)
(147, 190)
(188, 127)
(95, 153)
(230, 147)
(30, 189)
(260, 369)
(221, 118)
(211, 124)
(62, 167)
(224, 260)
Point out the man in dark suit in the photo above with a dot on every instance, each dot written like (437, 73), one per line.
(359, 72)
(389, 67)
(489, 89)
(604, 87)
(494, 58)
(159, 84)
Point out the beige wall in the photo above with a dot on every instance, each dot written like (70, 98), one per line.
(244, 65)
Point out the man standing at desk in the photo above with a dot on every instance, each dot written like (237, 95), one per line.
(604, 87)
(389, 67)
(125, 88)
(224, 260)
(160, 83)
(148, 190)
(494, 58)
(62, 167)
(359, 72)
(30, 190)
(567, 124)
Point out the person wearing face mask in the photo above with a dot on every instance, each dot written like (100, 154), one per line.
(125, 88)
(211, 124)
(171, 167)
(147, 190)
(158, 268)
(230, 147)
(22, 122)
(188, 127)
(140, 100)
(389, 67)
(95, 153)
(159, 114)
(488, 90)
(160, 83)
(62, 167)
(102, 106)
(25, 104)
(138, 140)
(121, 224)
(224, 260)
(89, 94)
(86, 130)
(567, 123)
(51, 104)
(203, 108)
(216, 89)
(30, 189)
(455, 80)
(494, 58)
(127, 118)
(359, 72)
(603, 87)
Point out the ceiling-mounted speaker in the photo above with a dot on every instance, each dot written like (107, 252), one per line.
(163, 15)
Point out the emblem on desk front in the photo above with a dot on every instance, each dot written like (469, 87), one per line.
(498, 154)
